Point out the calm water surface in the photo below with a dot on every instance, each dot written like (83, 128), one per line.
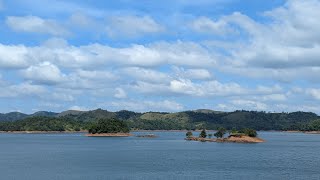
(76, 157)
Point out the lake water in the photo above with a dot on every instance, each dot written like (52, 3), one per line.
(76, 157)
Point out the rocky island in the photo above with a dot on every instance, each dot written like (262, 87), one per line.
(243, 136)
(109, 128)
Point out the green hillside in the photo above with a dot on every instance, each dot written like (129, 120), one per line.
(196, 119)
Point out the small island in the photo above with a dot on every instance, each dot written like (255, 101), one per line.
(146, 136)
(242, 136)
(109, 128)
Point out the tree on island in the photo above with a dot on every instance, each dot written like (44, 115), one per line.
(111, 125)
(249, 132)
(220, 133)
(203, 134)
(189, 134)
(233, 131)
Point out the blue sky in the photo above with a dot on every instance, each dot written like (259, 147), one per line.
(159, 55)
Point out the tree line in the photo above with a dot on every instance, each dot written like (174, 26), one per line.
(188, 120)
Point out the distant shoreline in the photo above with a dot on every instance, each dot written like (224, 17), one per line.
(85, 131)
(109, 135)
(41, 132)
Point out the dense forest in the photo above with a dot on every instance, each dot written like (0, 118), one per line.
(198, 119)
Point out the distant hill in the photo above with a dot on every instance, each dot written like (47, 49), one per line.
(88, 115)
(12, 116)
(44, 114)
(70, 113)
(193, 119)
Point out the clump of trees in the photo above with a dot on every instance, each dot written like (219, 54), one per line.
(203, 134)
(189, 134)
(314, 125)
(111, 125)
(220, 133)
(249, 132)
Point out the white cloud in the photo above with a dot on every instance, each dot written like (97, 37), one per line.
(148, 75)
(314, 93)
(247, 104)
(192, 73)
(44, 73)
(34, 24)
(273, 97)
(120, 93)
(62, 96)
(97, 55)
(79, 108)
(211, 88)
(151, 88)
(207, 88)
(22, 90)
(144, 106)
(14, 56)
(96, 75)
(132, 26)
(89, 80)
(289, 40)
(206, 25)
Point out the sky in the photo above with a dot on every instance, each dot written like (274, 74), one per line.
(168, 55)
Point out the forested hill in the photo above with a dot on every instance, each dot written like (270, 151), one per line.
(166, 121)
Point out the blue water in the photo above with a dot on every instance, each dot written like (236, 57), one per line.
(76, 157)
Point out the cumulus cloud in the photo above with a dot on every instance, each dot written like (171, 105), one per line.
(97, 55)
(34, 24)
(206, 25)
(192, 73)
(211, 88)
(14, 56)
(314, 93)
(44, 73)
(79, 108)
(148, 75)
(120, 93)
(207, 88)
(143, 106)
(284, 47)
(288, 41)
(132, 26)
(22, 90)
(247, 104)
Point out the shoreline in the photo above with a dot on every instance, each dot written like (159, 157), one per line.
(85, 131)
(41, 132)
(109, 135)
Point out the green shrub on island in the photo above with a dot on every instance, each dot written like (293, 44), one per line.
(111, 125)
(189, 134)
(249, 132)
(220, 133)
(203, 134)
